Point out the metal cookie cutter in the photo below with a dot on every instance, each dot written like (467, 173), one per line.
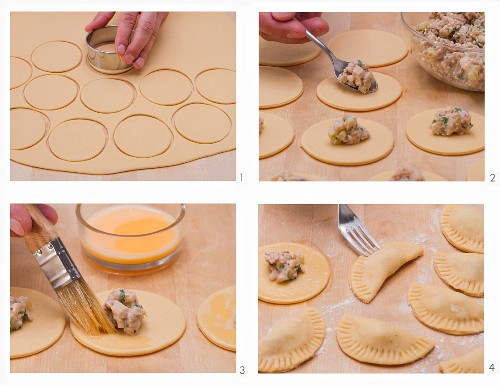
(103, 59)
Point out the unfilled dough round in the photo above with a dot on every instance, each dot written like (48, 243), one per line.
(331, 92)
(217, 85)
(316, 143)
(166, 87)
(20, 72)
(307, 284)
(108, 95)
(280, 54)
(43, 331)
(57, 56)
(216, 318)
(375, 48)
(142, 136)
(419, 133)
(51, 92)
(278, 87)
(476, 171)
(276, 135)
(78, 139)
(163, 325)
(202, 123)
(428, 176)
(27, 127)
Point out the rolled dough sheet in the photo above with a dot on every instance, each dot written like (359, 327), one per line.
(476, 171)
(154, 87)
(29, 127)
(374, 47)
(51, 92)
(419, 133)
(276, 135)
(108, 95)
(307, 284)
(163, 325)
(45, 329)
(20, 72)
(282, 55)
(208, 84)
(278, 87)
(57, 56)
(216, 318)
(334, 94)
(316, 143)
(385, 176)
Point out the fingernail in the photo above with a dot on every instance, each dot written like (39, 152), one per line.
(121, 49)
(15, 226)
(293, 35)
(129, 59)
(139, 63)
(318, 31)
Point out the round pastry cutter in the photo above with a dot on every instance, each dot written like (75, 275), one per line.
(103, 59)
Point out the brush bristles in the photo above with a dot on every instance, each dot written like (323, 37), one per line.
(84, 309)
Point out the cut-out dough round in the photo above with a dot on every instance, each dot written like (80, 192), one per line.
(57, 56)
(163, 325)
(331, 92)
(386, 176)
(142, 136)
(446, 310)
(476, 171)
(276, 135)
(281, 55)
(291, 343)
(166, 87)
(216, 318)
(20, 72)
(278, 87)
(462, 271)
(78, 140)
(463, 227)
(45, 329)
(108, 95)
(316, 143)
(472, 362)
(375, 341)
(369, 273)
(419, 133)
(51, 92)
(27, 127)
(307, 284)
(375, 48)
(217, 85)
(202, 123)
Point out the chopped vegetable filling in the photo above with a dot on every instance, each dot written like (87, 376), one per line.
(126, 312)
(453, 120)
(283, 265)
(347, 131)
(357, 75)
(20, 308)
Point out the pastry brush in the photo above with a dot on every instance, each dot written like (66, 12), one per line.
(78, 300)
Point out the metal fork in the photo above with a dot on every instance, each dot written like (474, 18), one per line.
(355, 232)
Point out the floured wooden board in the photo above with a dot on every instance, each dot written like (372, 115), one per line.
(83, 121)
(316, 225)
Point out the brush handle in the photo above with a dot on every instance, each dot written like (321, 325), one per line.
(42, 231)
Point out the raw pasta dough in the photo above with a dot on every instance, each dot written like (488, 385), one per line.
(28, 127)
(278, 87)
(476, 171)
(462, 271)
(463, 227)
(280, 54)
(208, 84)
(276, 135)
(56, 56)
(386, 176)
(108, 95)
(51, 92)
(472, 362)
(20, 72)
(179, 87)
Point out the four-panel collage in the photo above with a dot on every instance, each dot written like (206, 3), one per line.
(139, 235)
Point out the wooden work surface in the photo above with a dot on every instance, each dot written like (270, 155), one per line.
(421, 92)
(316, 226)
(206, 264)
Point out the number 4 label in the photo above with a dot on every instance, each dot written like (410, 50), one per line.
(492, 367)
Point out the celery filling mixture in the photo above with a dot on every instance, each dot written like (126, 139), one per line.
(284, 266)
(453, 120)
(124, 310)
(357, 75)
(20, 308)
(347, 131)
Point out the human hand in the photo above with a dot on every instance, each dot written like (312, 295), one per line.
(146, 26)
(284, 28)
(20, 219)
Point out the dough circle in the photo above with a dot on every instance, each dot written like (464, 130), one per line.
(276, 135)
(142, 136)
(419, 133)
(27, 127)
(306, 286)
(166, 87)
(163, 325)
(217, 85)
(476, 171)
(51, 92)
(280, 54)
(316, 143)
(20, 72)
(375, 48)
(57, 56)
(385, 176)
(107, 95)
(334, 94)
(202, 123)
(216, 318)
(278, 87)
(45, 329)
(78, 139)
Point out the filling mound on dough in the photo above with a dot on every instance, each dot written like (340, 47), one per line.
(126, 312)
(283, 265)
(347, 131)
(357, 75)
(407, 173)
(20, 308)
(286, 176)
(452, 120)
(261, 124)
